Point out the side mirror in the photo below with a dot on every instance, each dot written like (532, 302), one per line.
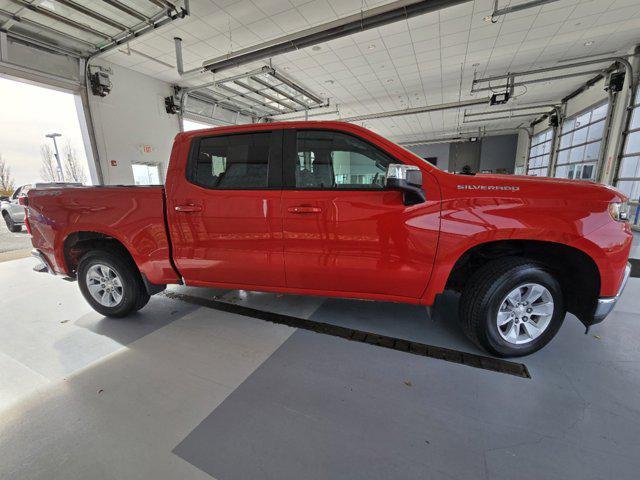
(408, 179)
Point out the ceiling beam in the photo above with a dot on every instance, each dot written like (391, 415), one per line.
(264, 94)
(413, 111)
(365, 20)
(92, 14)
(59, 33)
(279, 91)
(34, 7)
(127, 9)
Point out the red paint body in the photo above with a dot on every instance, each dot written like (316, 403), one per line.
(363, 244)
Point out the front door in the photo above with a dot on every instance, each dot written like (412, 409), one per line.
(225, 213)
(343, 231)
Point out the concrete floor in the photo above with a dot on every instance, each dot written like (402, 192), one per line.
(179, 391)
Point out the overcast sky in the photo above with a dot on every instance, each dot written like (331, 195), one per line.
(27, 113)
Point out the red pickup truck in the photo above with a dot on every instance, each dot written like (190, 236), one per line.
(330, 208)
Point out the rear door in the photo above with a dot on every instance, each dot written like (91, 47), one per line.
(343, 230)
(225, 211)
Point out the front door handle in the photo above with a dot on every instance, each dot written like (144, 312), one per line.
(188, 208)
(304, 209)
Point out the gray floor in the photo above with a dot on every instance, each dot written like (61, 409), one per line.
(187, 392)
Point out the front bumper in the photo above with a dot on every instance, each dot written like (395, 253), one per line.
(606, 304)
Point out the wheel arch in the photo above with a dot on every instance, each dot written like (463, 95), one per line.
(77, 244)
(577, 272)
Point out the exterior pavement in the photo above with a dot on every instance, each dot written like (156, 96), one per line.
(13, 245)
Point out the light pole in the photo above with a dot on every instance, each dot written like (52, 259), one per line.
(55, 145)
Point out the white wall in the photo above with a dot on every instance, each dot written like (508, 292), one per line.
(127, 119)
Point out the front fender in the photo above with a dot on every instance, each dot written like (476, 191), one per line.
(469, 222)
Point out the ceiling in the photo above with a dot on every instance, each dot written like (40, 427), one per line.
(84, 27)
(425, 60)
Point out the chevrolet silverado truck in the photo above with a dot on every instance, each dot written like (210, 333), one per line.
(333, 209)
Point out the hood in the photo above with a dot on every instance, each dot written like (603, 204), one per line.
(537, 186)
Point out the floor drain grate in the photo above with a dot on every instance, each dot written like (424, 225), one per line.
(415, 348)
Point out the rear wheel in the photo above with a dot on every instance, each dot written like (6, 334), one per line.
(11, 224)
(111, 284)
(512, 307)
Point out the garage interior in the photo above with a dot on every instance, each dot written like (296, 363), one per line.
(234, 384)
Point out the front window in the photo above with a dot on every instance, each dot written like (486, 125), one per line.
(334, 160)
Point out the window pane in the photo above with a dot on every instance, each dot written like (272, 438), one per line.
(568, 125)
(565, 140)
(592, 151)
(600, 112)
(336, 160)
(534, 151)
(631, 188)
(563, 156)
(583, 119)
(546, 147)
(577, 154)
(595, 131)
(561, 172)
(629, 167)
(635, 119)
(549, 135)
(233, 161)
(579, 136)
(588, 171)
(633, 143)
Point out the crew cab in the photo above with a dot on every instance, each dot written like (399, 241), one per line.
(333, 209)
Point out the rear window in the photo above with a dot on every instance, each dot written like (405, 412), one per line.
(238, 161)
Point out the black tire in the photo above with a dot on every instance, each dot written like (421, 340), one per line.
(10, 224)
(134, 294)
(484, 293)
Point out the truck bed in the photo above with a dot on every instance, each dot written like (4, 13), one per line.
(134, 216)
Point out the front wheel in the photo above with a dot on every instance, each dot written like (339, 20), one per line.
(111, 284)
(512, 307)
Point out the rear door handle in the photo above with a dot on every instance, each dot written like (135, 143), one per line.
(188, 208)
(304, 209)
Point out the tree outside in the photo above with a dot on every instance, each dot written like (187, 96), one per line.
(72, 168)
(7, 184)
(48, 167)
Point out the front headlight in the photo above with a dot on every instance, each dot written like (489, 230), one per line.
(619, 211)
